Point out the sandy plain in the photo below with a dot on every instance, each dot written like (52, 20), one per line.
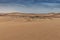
(23, 29)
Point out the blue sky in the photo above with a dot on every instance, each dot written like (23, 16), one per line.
(30, 6)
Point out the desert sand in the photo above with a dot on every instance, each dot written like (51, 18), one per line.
(23, 29)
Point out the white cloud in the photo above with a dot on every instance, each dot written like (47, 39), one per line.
(43, 8)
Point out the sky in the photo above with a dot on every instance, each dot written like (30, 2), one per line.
(30, 6)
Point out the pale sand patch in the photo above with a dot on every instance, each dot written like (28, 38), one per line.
(35, 30)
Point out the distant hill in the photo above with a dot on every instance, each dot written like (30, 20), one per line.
(55, 15)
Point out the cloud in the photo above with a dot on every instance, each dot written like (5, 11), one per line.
(32, 8)
(51, 5)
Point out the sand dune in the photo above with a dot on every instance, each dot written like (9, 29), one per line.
(12, 28)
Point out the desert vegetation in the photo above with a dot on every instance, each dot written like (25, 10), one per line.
(31, 16)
